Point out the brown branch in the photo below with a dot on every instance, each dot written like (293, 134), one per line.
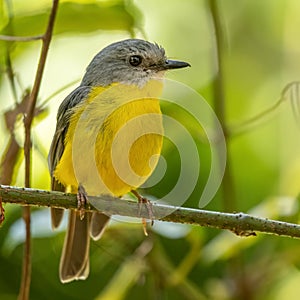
(10, 74)
(8, 63)
(9, 160)
(13, 149)
(11, 153)
(35, 90)
(28, 118)
(239, 223)
(26, 267)
(2, 210)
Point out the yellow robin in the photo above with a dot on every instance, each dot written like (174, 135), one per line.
(107, 140)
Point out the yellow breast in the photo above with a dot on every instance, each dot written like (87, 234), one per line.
(114, 139)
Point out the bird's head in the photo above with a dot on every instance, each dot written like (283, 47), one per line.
(131, 61)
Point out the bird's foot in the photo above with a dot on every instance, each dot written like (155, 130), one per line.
(82, 200)
(144, 201)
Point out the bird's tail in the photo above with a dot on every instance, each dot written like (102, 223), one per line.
(74, 263)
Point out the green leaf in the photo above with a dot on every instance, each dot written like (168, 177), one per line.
(76, 18)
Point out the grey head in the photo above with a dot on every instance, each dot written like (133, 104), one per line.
(131, 61)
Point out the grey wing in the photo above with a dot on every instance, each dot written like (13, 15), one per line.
(57, 146)
(63, 118)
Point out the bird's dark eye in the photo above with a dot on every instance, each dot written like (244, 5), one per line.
(135, 60)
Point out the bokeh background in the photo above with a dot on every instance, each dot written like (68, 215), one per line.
(260, 56)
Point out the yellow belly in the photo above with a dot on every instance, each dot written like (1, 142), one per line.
(113, 146)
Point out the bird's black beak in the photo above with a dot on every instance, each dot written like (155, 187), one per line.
(175, 64)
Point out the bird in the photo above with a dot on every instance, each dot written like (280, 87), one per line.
(108, 139)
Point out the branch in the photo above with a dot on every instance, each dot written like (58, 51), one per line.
(239, 223)
(289, 93)
(10, 38)
(28, 118)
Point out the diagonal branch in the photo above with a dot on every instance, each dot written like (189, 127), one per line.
(239, 223)
(28, 118)
(35, 90)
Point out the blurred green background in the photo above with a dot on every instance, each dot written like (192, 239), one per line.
(260, 56)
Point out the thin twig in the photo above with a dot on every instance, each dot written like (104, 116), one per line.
(2, 210)
(26, 267)
(239, 223)
(11, 75)
(249, 124)
(28, 118)
(37, 83)
(10, 38)
(9, 68)
(46, 101)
